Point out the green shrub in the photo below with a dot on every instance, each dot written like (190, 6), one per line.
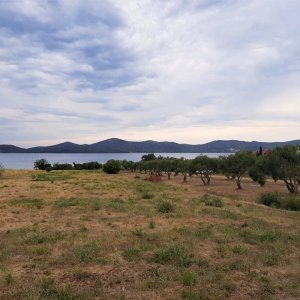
(41, 164)
(166, 207)
(291, 202)
(147, 195)
(152, 224)
(64, 166)
(270, 199)
(112, 166)
(91, 165)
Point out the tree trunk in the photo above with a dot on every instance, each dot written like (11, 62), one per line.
(184, 177)
(204, 183)
(238, 183)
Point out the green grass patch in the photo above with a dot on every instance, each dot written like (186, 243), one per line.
(63, 203)
(132, 254)
(51, 176)
(86, 253)
(165, 207)
(44, 237)
(26, 202)
(259, 237)
(174, 254)
(188, 278)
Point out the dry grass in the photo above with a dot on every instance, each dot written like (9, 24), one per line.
(88, 235)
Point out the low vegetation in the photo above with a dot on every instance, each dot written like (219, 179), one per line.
(78, 234)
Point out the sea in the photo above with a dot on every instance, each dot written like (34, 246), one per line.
(19, 161)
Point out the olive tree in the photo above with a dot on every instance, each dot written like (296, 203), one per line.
(41, 164)
(204, 166)
(112, 166)
(238, 164)
(284, 164)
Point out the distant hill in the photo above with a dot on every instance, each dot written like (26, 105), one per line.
(121, 146)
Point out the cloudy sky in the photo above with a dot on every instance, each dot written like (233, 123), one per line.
(186, 71)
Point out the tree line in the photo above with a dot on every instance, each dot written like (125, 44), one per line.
(279, 164)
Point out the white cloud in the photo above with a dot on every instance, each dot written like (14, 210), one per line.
(149, 69)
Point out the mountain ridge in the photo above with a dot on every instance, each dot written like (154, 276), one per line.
(116, 145)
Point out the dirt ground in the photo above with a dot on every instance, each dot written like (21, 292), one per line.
(89, 235)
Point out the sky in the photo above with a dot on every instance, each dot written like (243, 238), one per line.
(189, 71)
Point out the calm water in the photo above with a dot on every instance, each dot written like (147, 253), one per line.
(25, 161)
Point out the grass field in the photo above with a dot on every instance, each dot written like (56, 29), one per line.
(88, 235)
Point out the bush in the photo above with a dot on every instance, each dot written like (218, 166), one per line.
(270, 199)
(166, 207)
(41, 164)
(112, 166)
(2, 170)
(291, 202)
(91, 165)
(65, 166)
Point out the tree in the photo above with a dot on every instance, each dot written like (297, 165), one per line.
(169, 166)
(259, 170)
(150, 156)
(238, 164)
(2, 170)
(204, 166)
(41, 164)
(112, 166)
(284, 164)
(184, 166)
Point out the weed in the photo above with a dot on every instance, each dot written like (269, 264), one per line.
(216, 202)
(9, 278)
(237, 250)
(188, 278)
(96, 205)
(152, 225)
(147, 195)
(132, 254)
(86, 253)
(47, 290)
(40, 251)
(116, 204)
(175, 254)
(204, 233)
(138, 232)
(166, 207)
